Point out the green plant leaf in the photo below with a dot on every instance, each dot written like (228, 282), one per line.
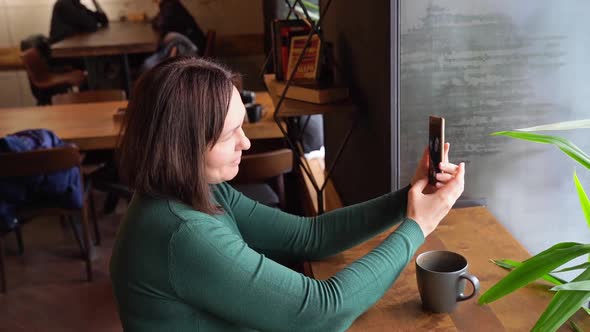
(563, 144)
(534, 268)
(572, 268)
(583, 199)
(560, 245)
(575, 326)
(510, 265)
(567, 125)
(563, 305)
(573, 286)
(310, 5)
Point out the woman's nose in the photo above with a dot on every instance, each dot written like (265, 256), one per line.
(245, 142)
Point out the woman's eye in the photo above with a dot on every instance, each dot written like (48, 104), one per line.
(231, 135)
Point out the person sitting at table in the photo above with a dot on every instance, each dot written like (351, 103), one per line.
(174, 17)
(173, 44)
(70, 17)
(194, 254)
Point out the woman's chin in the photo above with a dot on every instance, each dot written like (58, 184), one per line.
(232, 173)
(228, 174)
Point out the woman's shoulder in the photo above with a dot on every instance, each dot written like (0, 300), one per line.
(185, 212)
(144, 206)
(164, 208)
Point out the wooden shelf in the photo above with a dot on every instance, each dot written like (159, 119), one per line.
(291, 107)
(315, 95)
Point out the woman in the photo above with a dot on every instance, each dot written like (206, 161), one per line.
(193, 254)
(174, 17)
(70, 17)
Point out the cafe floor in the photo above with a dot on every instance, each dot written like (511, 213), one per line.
(47, 289)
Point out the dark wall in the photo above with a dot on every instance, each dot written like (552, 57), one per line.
(361, 37)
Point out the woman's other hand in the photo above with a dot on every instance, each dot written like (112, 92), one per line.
(429, 208)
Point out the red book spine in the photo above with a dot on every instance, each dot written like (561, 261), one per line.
(285, 50)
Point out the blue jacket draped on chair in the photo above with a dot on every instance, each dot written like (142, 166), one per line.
(61, 187)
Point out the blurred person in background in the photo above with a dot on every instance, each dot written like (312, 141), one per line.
(174, 17)
(70, 17)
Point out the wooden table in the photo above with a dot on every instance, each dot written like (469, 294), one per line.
(92, 126)
(118, 38)
(477, 235)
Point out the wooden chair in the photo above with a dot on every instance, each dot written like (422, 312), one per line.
(88, 97)
(261, 176)
(38, 162)
(92, 170)
(210, 47)
(44, 80)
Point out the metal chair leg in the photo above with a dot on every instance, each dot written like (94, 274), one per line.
(97, 238)
(19, 239)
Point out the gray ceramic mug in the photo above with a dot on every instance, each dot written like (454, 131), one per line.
(441, 280)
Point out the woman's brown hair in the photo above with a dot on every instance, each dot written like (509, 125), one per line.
(175, 114)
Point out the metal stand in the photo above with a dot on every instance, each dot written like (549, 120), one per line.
(294, 139)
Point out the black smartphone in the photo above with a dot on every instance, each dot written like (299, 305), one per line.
(436, 141)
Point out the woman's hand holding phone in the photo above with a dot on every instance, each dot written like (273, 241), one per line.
(424, 166)
(428, 204)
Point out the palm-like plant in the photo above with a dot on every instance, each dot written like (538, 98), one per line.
(569, 296)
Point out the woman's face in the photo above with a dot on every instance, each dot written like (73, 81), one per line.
(222, 160)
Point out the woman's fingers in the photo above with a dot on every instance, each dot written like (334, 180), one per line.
(447, 147)
(454, 187)
(448, 168)
(425, 158)
(444, 177)
(420, 185)
(422, 169)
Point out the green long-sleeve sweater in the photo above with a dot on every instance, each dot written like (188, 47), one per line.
(177, 269)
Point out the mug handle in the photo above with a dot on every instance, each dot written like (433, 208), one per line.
(474, 281)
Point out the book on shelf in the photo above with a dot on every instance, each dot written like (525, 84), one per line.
(308, 68)
(316, 95)
(282, 31)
